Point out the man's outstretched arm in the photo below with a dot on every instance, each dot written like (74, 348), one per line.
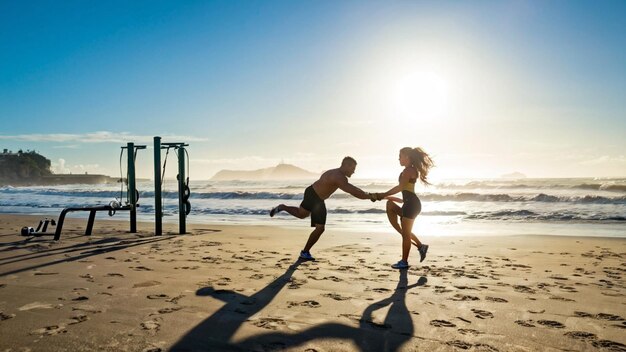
(355, 191)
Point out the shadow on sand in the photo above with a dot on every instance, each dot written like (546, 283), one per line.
(216, 332)
(33, 260)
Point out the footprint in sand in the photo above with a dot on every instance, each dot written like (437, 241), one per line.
(158, 296)
(459, 344)
(496, 299)
(140, 268)
(114, 275)
(442, 324)
(523, 289)
(609, 345)
(581, 335)
(459, 297)
(295, 283)
(150, 325)
(269, 323)
(89, 277)
(485, 347)
(332, 278)
(146, 284)
(551, 324)
(336, 297)
(152, 349)
(525, 323)
(610, 317)
(559, 298)
(482, 314)
(441, 289)
(50, 330)
(167, 310)
(381, 290)
(86, 308)
(257, 276)
(4, 316)
(175, 299)
(78, 319)
(309, 303)
(599, 316)
(469, 332)
(223, 281)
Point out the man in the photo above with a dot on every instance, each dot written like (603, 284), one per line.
(314, 196)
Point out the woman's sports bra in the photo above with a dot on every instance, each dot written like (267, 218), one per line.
(410, 186)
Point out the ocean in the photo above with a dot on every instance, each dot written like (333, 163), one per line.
(575, 206)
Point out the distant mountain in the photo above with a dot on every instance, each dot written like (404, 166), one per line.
(513, 175)
(278, 172)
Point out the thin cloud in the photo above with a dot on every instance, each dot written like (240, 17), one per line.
(96, 137)
(70, 146)
(605, 159)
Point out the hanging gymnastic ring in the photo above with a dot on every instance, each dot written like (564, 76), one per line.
(187, 207)
(186, 193)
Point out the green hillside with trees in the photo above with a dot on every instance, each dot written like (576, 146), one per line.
(23, 165)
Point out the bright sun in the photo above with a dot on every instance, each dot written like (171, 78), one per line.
(420, 95)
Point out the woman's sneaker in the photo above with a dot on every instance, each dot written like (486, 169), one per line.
(423, 249)
(400, 265)
(306, 256)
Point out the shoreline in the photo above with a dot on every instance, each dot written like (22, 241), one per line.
(478, 229)
(240, 288)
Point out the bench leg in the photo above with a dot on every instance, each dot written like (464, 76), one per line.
(92, 218)
(57, 232)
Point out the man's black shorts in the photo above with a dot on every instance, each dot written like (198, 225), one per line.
(313, 203)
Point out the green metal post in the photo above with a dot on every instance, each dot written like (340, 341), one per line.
(132, 187)
(158, 211)
(181, 191)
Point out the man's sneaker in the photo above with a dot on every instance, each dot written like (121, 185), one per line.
(273, 211)
(306, 256)
(423, 249)
(400, 265)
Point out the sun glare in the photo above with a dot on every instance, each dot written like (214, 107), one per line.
(420, 95)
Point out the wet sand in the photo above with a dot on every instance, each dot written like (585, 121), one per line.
(241, 288)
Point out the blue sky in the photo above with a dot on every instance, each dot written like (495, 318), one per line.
(487, 87)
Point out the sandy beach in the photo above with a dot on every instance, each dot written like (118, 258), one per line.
(241, 288)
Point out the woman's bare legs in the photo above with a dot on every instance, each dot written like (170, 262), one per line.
(394, 212)
(407, 226)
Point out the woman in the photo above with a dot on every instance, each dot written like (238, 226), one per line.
(416, 166)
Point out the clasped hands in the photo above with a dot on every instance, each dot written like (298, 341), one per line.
(376, 196)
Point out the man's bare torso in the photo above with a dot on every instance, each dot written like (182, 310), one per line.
(328, 183)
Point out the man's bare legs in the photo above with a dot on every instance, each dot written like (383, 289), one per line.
(301, 213)
(313, 237)
(298, 212)
(394, 212)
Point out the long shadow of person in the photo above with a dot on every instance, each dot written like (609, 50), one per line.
(216, 331)
(398, 326)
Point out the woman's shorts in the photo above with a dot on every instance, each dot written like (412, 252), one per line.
(412, 205)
